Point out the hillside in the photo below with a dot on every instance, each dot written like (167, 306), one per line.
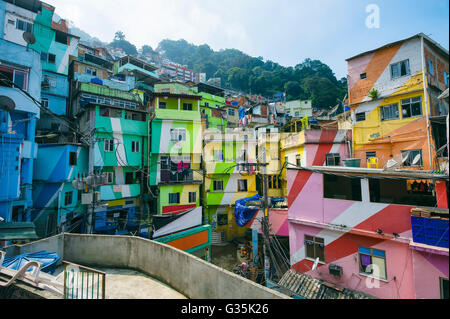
(310, 79)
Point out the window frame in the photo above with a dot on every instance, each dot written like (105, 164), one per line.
(109, 178)
(26, 24)
(179, 132)
(411, 157)
(135, 146)
(316, 242)
(371, 255)
(389, 106)
(359, 119)
(218, 186)
(66, 197)
(192, 197)
(408, 71)
(73, 159)
(108, 142)
(186, 107)
(171, 202)
(244, 189)
(410, 102)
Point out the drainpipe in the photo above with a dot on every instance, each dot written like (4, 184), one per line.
(425, 92)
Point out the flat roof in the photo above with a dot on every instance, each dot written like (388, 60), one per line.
(374, 172)
(183, 96)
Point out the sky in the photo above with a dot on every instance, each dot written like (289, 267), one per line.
(283, 31)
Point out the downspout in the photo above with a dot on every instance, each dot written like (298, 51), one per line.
(425, 91)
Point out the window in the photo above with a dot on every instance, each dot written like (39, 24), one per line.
(360, 117)
(363, 76)
(444, 288)
(412, 107)
(218, 156)
(18, 77)
(187, 106)
(178, 134)
(109, 145)
(116, 113)
(129, 178)
(135, 146)
(73, 158)
(206, 104)
(44, 102)
(218, 185)
(192, 197)
(50, 80)
(401, 192)
(68, 198)
(48, 57)
(109, 177)
(430, 67)
(222, 219)
(231, 112)
(174, 198)
(24, 26)
(298, 161)
(412, 158)
(389, 112)
(286, 161)
(341, 187)
(333, 159)
(446, 78)
(61, 37)
(372, 262)
(297, 114)
(242, 185)
(400, 69)
(370, 154)
(315, 248)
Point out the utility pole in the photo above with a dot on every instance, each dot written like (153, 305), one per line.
(265, 223)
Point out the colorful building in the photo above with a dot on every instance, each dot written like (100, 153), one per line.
(118, 123)
(359, 227)
(313, 148)
(393, 94)
(56, 203)
(299, 108)
(20, 65)
(175, 139)
(229, 165)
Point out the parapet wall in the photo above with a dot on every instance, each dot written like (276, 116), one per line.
(189, 275)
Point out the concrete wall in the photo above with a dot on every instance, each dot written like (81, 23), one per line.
(186, 273)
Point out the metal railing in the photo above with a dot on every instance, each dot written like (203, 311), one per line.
(82, 282)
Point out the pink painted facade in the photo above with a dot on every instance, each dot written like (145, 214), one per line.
(411, 270)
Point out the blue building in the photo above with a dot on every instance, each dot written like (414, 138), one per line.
(22, 65)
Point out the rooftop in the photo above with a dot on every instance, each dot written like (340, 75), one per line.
(375, 172)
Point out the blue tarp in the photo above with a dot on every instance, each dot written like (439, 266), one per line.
(241, 113)
(242, 213)
(48, 260)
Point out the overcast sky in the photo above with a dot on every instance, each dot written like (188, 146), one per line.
(284, 31)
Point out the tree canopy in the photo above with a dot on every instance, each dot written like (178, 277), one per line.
(310, 79)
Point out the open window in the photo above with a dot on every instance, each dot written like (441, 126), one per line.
(342, 187)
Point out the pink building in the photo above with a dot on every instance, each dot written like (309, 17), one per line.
(356, 224)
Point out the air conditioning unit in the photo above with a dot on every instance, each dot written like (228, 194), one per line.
(335, 270)
(45, 84)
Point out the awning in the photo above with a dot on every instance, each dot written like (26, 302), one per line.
(17, 231)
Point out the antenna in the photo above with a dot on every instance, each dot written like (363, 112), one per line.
(6, 103)
(316, 263)
(29, 38)
(416, 159)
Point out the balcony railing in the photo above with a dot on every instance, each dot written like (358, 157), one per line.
(169, 176)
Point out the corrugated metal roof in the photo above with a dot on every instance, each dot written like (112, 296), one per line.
(304, 286)
(17, 231)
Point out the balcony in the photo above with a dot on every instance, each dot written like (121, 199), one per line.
(186, 176)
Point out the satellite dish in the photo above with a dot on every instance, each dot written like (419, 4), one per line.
(7, 103)
(316, 263)
(416, 159)
(29, 37)
(405, 158)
